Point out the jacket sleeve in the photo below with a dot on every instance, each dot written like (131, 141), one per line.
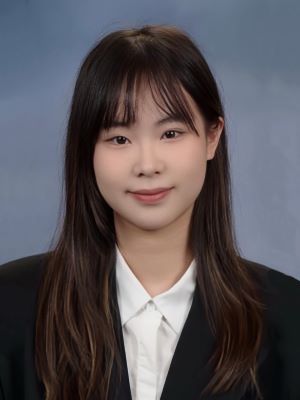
(19, 280)
(1, 392)
(286, 319)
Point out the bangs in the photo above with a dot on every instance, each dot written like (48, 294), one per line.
(166, 92)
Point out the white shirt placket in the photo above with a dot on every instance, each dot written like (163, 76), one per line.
(144, 327)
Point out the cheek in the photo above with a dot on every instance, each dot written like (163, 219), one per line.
(108, 172)
(102, 168)
(191, 162)
(194, 177)
(97, 164)
(190, 172)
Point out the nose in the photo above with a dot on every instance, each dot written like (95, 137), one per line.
(148, 161)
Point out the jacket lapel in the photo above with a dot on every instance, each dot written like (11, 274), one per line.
(119, 388)
(189, 371)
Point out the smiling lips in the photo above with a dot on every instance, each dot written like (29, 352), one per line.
(151, 191)
(151, 196)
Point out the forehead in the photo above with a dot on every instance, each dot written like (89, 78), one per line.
(145, 97)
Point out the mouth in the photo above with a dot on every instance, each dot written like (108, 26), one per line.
(151, 191)
(153, 197)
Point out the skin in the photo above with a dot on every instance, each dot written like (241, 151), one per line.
(153, 237)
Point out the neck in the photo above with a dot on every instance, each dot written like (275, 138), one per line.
(158, 259)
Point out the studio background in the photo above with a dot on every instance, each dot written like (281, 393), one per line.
(252, 48)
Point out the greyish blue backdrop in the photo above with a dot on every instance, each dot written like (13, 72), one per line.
(253, 49)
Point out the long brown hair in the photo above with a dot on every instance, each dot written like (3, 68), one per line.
(75, 340)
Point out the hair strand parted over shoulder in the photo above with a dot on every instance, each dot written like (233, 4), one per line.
(76, 338)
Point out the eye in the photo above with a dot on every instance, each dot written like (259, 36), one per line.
(117, 137)
(173, 131)
(123, 138)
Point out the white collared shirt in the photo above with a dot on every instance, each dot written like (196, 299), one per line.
(151, 327)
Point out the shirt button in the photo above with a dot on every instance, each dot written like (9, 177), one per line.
(150, 306)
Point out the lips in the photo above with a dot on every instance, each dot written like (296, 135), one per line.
(151, 191)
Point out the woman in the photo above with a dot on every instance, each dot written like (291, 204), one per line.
(145, 295)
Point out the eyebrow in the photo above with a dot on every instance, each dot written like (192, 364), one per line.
(169, 118)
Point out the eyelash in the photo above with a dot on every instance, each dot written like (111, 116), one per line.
(119, 136)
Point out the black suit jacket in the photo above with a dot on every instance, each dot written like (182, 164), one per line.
(279, 360)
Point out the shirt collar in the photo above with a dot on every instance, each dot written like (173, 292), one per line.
(173, 303)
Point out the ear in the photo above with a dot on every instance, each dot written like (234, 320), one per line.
(213, 137)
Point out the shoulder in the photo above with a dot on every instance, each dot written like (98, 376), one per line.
(281, 298)
(280, 289)
(19, 282)
(281, 294)
(23, 273)
(23, 267)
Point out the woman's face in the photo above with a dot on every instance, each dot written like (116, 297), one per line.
(149, 155)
